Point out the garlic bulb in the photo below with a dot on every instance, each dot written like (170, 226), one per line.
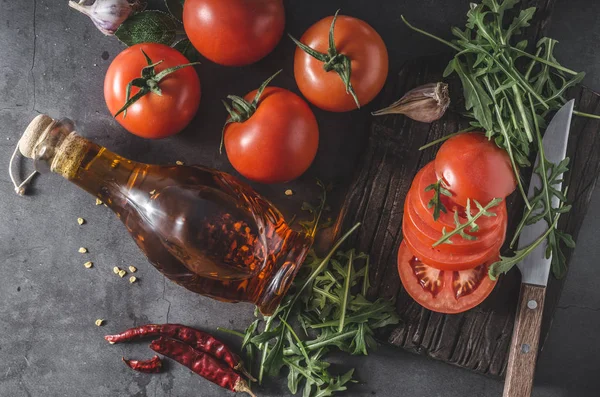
(426, 103)
(107, 15)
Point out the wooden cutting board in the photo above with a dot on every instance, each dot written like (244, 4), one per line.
(478, 339)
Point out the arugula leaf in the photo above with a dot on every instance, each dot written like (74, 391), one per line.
(476, 99)
(436, 202)
(335, 385)
(274, 360)
(521, 21)
(471, 223)
(500, 8)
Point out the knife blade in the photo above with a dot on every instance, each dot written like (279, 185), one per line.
(535, 269)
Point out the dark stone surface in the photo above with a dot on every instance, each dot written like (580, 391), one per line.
(53, 62)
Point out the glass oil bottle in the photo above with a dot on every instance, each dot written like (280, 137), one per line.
(201, 228)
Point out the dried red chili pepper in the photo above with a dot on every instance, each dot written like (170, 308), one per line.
(152, 366)
(202, 364)
(198, 339)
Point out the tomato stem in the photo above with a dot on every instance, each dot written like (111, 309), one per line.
(149, 82)
(333, 60)
(240, 109)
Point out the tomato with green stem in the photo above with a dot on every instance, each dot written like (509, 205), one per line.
(341, 63)
(474, 167)
(234, 32)
(271, 135)
(443, 291)
(152, 90)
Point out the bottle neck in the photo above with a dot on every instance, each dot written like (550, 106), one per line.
(86, 164)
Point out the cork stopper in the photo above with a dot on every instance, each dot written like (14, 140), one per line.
(32, 134)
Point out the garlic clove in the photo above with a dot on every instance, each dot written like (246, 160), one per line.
(426, 103)
(108, 15)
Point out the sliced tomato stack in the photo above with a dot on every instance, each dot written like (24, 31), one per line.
(451, 277)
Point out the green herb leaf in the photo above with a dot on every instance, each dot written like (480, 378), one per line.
(274, 360)
(148, 27)
(461, 228)
(521, 21)
(500, 8)
(436, 202)
(476, 99)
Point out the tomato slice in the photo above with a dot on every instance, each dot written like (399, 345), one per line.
(443, 291)
(425, 177)
(446, 259)
(429, 235)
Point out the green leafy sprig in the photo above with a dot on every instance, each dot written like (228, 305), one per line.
(470, 224)
(436, 202)
(327, 310)
(510, 93)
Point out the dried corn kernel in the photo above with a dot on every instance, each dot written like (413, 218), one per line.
(116, 270)
(153, 191)
(179, 162)
(99, 322)
(132, 279)
(81, 221)
(132, 269)
(98, 201)
(83, 250)
(289, 192)
(88, 265)
(122, 273)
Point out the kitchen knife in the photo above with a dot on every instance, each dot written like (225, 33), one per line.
(534, 271)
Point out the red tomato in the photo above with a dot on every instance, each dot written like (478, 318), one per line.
(474, 167)
(425, 177)
(443, 291)
(278, 142)
(369, 59)
(153, 116)
(234, 32)
(427, 235)
(448, 258)
(421, 231)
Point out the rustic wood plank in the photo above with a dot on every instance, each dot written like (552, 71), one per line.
(478, 339)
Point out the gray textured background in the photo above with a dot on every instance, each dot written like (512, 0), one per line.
(53, 61)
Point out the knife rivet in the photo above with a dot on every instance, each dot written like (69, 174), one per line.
(532, 304)
(525, 348)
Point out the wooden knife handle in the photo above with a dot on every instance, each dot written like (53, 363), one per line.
(525, 340)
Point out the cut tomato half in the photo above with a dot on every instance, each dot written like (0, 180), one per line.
(443, 291)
